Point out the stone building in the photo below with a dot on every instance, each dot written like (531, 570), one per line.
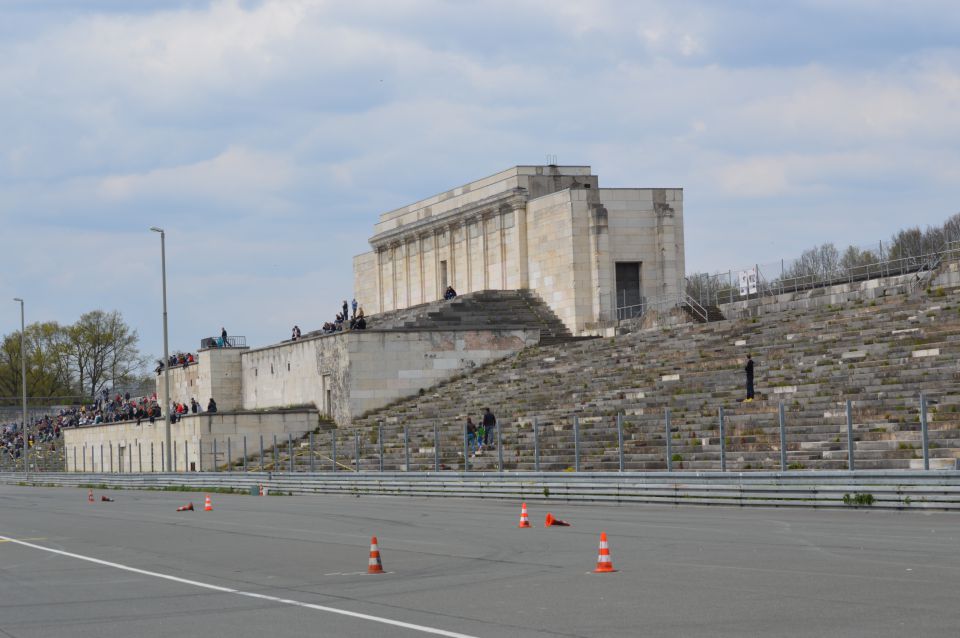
(589, 252)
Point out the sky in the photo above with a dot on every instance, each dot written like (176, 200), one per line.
(266, 137)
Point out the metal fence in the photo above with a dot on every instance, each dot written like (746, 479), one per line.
(618, 443)
(779, 278)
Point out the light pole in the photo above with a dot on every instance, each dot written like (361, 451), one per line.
(166, 349)
(23, 379)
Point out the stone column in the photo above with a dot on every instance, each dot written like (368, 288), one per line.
(406, 272)
(466, 239)
(483, 244)
(503, 253)
(520, 222)
(379, 279)
(420, 266)
(393, 276)
(452, 229)
(438, 294)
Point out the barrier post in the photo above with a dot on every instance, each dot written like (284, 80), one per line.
(723, 442)
(850, 451)
(313, 460)
(406, 448)
(229, 455)
(244, 452)
(576, 443)
(174, 458)
(290, 451)
(276, 454)
(261, 452)
(466, 449)
(923, 431)
(669, 433)
(536, 445)
(620, 439)
(380, 443)
(333, 451)
(436, 447)
(783, 438)
(499, 448)
(214, 464)
(74, 458)
(186, 457)
(84, 455)
(356, 451)
(139, 458)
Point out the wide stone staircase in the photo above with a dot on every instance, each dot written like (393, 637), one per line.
(879, 355)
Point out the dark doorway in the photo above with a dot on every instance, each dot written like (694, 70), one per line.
(629, 299)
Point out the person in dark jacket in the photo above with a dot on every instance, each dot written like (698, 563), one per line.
(489, 423)
(211, 405)
(749, 370)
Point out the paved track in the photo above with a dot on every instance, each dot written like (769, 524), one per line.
(463, 567)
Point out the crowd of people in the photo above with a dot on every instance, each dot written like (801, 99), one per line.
(178, 359)
(345, 320)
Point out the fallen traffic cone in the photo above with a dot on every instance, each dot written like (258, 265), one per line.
(374, 566)
(261, 489)
(524, 519)
(604, 564)
(90, 496)
(207, 505)
(106, 499)
(554, 522)
(186, 508)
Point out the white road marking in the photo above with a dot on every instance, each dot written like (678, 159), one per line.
(228, 590)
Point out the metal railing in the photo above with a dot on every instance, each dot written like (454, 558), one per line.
(611, 442)
(722, 287)
(232, 341)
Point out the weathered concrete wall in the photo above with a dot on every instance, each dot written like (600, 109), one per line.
(116, 447)
(347, 374)
(216, 374)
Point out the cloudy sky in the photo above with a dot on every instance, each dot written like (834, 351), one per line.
(266, 137)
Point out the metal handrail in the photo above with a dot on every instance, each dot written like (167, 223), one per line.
(232, 341)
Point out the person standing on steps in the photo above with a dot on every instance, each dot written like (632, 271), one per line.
(489, 422)
(749, 370)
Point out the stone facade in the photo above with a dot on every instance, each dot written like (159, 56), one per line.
(342, 375)
(586, 250)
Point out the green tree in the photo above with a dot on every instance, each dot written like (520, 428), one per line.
(48, 372)
(102, 351)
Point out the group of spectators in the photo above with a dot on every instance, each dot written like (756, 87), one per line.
(178, 359)
(45, 431)
(479, 435)
(345, 320)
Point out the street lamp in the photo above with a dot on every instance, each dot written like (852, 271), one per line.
(23, 379)
(166, 350)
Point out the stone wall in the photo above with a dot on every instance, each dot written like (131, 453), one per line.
(347, 374)
(125, 447)
(216, 374)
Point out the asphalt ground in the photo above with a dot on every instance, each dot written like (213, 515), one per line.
(295, 565)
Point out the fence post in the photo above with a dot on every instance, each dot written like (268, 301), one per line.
(153, 467)
(84, 455)
(139, 459)
(436, 447)
(620, 439)
(783, 438)
(313, 460)
(406, 448)
(229, 455)
(723, 442)
(499, 427)
(261, 452)
(576, 443)
(380, 443)
(214, 464)
(850, 452)
(111, 456)
(186, 458)
(466, 449)
(276, 455)
(356, 451)
(186, 455)
(923, 431)
(536, 445)
(244, 452)
(290, 450)
(333, 450)
(666, 425)
(74, 458)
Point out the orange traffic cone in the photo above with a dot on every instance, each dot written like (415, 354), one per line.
(186, 508)
(554, 522)
(374, 566)
(106, 499)
(90, 496)
(524, 519)
(260, 492)
(604, 564)
(207, 504)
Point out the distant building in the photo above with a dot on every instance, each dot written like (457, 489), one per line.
(589, 252)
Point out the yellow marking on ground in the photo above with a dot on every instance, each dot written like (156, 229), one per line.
(38, 538)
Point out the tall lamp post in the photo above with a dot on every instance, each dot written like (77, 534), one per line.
(23, 380)
(166, 349)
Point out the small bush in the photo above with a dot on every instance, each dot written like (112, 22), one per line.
(858, 500)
